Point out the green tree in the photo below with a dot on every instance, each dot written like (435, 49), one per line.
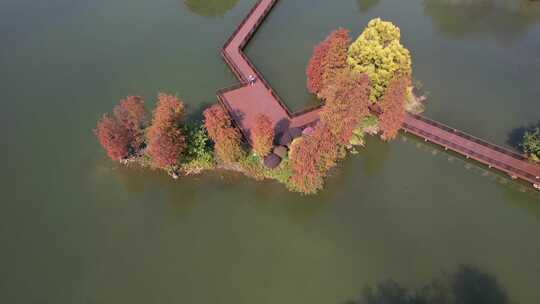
(378, 53)
(198, 154)
(531, 143)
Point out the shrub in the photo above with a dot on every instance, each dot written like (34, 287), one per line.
(227, 139)
(252, 166)
(113, 137)
(262, 135)
(311, 157)
(393, 107)
(198, 154)
(531, 143)
(165, 139)
(379, 53)
(347, 100)
(368, 125)
(131, 114)
(329, 57)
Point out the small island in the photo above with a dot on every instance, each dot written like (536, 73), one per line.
(364, 87)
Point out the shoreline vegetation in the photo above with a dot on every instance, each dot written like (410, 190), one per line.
(365, 87)
(531, 144)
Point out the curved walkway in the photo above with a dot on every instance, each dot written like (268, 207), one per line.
(244, 102)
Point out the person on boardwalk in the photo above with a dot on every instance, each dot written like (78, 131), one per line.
(251, 80)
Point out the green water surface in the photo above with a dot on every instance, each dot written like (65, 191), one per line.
(77, 228)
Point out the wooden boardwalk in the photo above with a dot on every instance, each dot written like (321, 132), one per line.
(244, 102)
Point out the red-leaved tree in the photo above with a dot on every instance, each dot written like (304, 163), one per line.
(262, 135)
(329, 57)
(113, 137)
(227, 139)
(311, 157)
(346, 103)
(393, 107)
(131, 114)
(165, 139)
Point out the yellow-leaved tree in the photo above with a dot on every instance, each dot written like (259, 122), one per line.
(378, 53)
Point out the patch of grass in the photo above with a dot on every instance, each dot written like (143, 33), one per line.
(252, 166)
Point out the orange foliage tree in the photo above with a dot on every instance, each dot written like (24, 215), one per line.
(311, 157)
(227, 139)
(393, 107)
(329, 57)
(347, 100)
(165, 139)
(262, 135)
(113, 137)
(131, 114)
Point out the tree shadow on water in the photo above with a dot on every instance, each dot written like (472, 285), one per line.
(515, 137)
(468, 285)
(375, 155)
(366, 5)
(195, 113)
(210, 8)
(501, 19)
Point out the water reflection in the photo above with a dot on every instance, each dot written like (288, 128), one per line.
(183, 195)
(468, 285)
(366, 5)
(210, 8)
(374, 155)
(503, 19)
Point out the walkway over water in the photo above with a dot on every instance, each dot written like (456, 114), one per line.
(245, 101)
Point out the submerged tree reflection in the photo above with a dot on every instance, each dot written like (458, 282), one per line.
(468, 285)
(503, 19)
(210, 8)
(366, 5)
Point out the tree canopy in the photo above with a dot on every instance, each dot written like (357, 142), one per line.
(378, 53)
(329, 57)
(165, 139)
(262, 135)
(123, 133)
(113, 137)
(346, 104)
(531, 143)
(393, 107)
(311, 157)
(131, 114)
(227, 139)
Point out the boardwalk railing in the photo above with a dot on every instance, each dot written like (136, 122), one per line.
(239, 27)
(470, 137)
(469, 153)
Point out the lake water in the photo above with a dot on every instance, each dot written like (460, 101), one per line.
(76, 228)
